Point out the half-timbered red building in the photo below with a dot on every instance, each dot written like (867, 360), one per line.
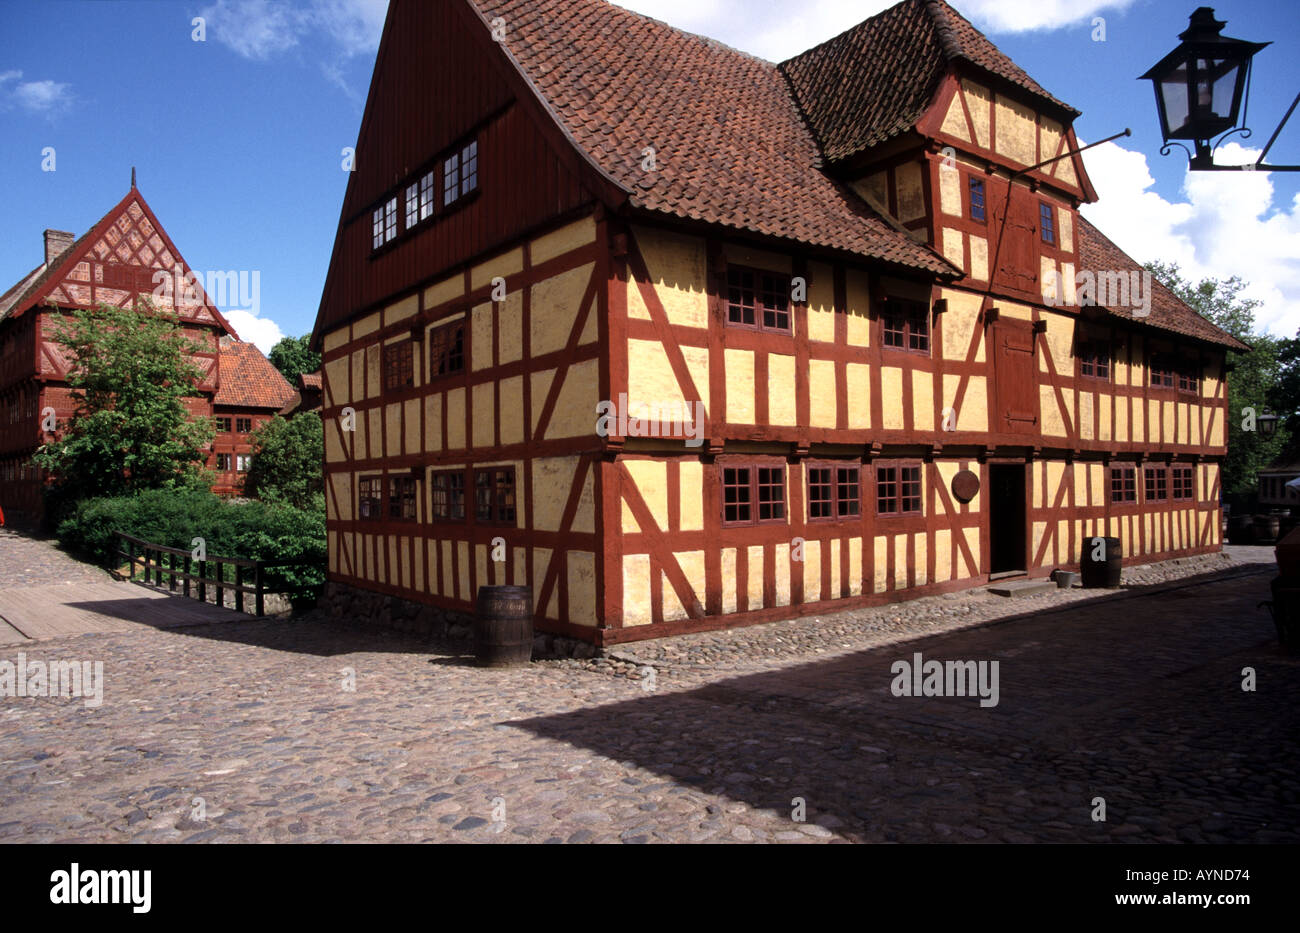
(125, 255)
(683, 339)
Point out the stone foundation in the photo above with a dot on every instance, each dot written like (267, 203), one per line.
(364, 608)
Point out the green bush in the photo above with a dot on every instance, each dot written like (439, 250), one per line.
(174, 518)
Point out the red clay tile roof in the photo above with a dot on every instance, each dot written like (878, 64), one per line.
(876, 80)
(1168, 312)
(731, 147)
(248, 380)
(310, 380)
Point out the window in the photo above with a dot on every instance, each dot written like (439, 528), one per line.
(758, 299)
(1162, 372)
(898, 489)
(494, 495)
(1184, 483)
(460, 173)
(833, 492)
(369, 491)
(1123, 484)
(753, 493)
(771, 494)
(243, 462)
(412, 205)
(469, 168)
(1046, 223)
(1155, 483)
(906, 326)
(223, 463)
(737, 496)
(977, 200)
(1189, 378)
(401, 497)
(447, 350)
(448, 496)
(426, 195)
(384, 223)
(223, 425)
(243, 425)
(1094, 360)
(399, 371)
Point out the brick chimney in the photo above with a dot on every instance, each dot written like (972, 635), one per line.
(56, 243)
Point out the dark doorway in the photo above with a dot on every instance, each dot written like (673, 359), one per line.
(1006, 505)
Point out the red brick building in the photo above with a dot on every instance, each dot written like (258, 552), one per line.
(125, 255)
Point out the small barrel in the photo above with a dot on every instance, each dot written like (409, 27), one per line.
(503, 626)
(1241, 529)
(1100, 565)
(1267, 527)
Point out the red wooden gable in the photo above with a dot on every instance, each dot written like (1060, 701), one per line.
(127, 253)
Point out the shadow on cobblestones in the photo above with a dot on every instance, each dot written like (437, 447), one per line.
(1136, 700)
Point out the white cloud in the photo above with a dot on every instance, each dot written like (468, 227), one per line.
(1029, 15)
(262, 331)
(260, 29)
(40, 97)
(255, 29)
(1227, 224)
(353, 25)
(777, 29)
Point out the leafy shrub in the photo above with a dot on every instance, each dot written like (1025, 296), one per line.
(174, 518)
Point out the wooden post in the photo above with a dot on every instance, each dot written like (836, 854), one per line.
(130, 547)
(171, 580)
(221, 578)
(257, 585)
(185, 580)
(203, 581)
(144, 554)
(239, 587)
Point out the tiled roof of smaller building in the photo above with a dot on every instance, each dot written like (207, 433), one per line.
(876, 80)
(310, 380)
(249, 380)
(1097, 253)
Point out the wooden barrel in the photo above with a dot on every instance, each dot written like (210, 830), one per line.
(503, 626)
(1100, 565)
(1241, 530)
(1267, 527)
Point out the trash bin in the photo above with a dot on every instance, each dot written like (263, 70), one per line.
(503, 626)
(1100, 566)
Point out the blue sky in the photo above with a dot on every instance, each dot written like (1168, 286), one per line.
(237, 139)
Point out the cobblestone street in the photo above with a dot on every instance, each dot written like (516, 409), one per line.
(245, 731)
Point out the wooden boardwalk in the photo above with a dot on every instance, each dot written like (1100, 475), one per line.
(31, 613)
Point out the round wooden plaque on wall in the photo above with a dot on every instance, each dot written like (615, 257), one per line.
(965, 486)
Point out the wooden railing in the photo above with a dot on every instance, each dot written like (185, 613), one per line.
(160, 563)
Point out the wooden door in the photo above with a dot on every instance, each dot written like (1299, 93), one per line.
(1015, 378)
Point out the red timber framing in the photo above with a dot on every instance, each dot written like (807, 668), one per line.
(699, 571)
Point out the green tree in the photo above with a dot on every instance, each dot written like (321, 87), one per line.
(292, 356)
(131, 372)
(287, 459)
(1286, 394)
(1253, 381)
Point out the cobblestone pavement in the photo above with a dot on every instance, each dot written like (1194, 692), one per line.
(245, 732)
(27, 561)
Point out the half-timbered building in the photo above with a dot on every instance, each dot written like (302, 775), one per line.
(683, 339)
(127, 254)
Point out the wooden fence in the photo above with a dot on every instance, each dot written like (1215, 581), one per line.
(160, 563)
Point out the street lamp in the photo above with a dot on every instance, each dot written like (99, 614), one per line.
(1267, 423)
(1202, 86)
